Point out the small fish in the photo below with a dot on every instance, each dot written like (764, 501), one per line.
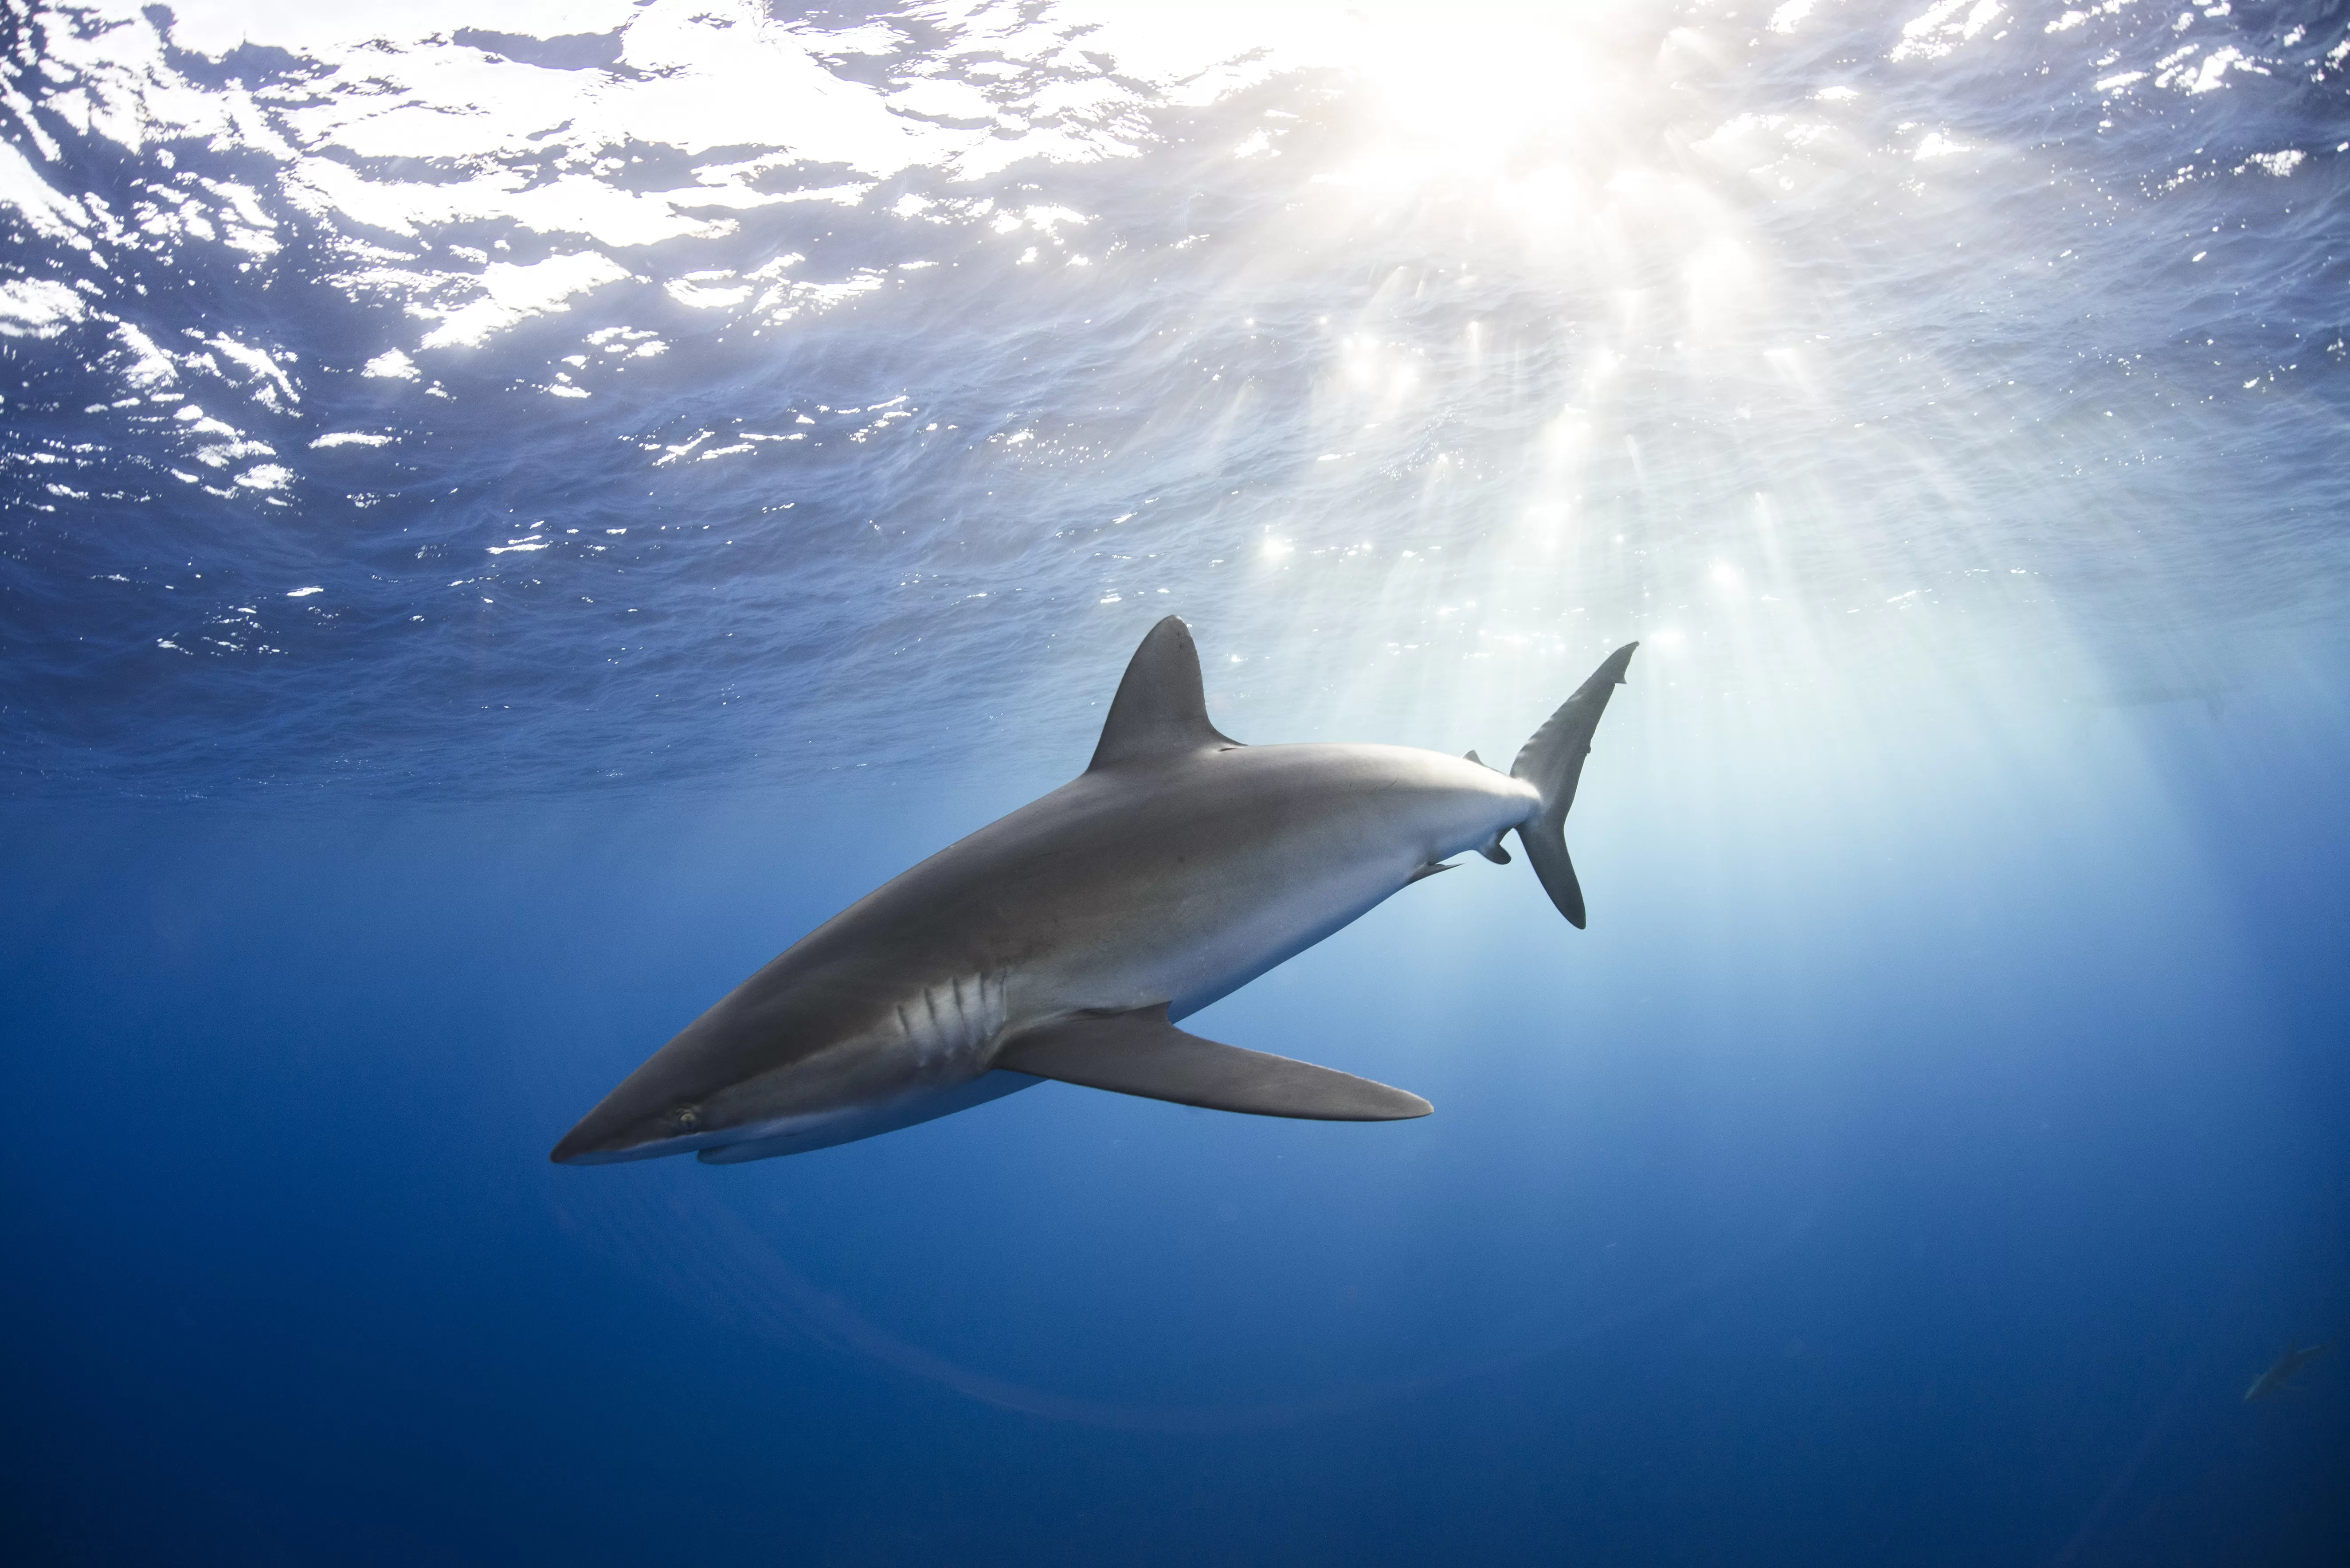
(2280, 1377)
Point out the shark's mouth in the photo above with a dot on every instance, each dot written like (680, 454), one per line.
(800, 1134)
(652, 1149)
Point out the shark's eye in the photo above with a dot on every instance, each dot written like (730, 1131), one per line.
(688, 1117)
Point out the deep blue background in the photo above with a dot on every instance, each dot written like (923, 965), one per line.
(1940, 1217)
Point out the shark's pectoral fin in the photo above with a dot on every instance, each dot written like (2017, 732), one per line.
(1139, 1053)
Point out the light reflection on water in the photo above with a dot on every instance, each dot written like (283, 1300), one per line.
(678, 382)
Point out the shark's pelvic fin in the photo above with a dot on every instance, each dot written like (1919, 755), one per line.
(1430, 869)
(1553, 763)
(1161, 706)
(1139, 1053)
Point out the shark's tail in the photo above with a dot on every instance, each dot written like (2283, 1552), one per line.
(1553, 763)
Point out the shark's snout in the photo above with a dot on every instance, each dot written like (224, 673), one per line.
(632, 1127)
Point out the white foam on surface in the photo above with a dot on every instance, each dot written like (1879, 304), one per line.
(37, 307)
(509, 294)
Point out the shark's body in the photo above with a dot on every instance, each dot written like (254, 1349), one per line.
(2213, 697)
(1062, 940)
(2279, 1377)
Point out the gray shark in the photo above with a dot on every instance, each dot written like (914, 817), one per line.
(2213, 696)
(1066, 941)
(2279, 1377)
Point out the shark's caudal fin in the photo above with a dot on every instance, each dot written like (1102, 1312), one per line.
(1139, 1053)
(1553, 763)
(1161, 706)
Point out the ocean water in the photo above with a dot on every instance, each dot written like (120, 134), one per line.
(510, 514)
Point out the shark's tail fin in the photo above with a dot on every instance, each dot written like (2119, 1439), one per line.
(1553, 763)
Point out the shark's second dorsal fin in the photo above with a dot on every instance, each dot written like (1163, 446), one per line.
(1161, 706)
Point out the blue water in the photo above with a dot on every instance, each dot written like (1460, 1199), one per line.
(509, 516)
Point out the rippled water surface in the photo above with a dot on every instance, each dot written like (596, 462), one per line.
(457, 411)
(510, 514)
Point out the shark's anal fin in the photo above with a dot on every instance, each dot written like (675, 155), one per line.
(1139, 1053)
(1161, 706)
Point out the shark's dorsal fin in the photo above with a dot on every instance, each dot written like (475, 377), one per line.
(1161, 706)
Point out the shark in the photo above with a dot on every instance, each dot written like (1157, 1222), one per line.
(2279, 1377)
(2213, 696)
(1066, 940)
